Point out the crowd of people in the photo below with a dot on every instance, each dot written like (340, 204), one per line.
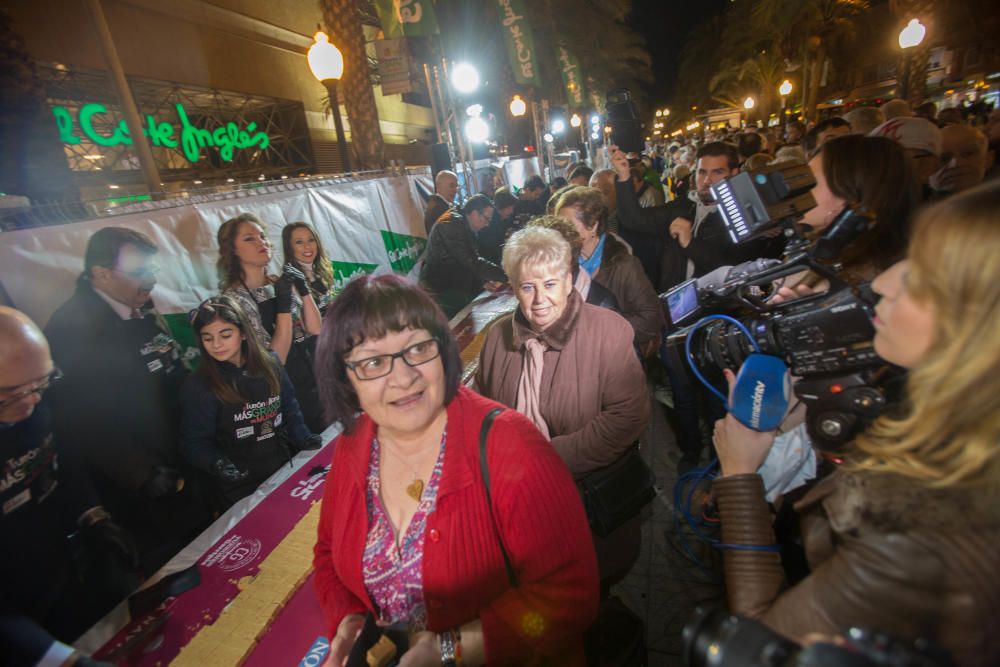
(456, 512)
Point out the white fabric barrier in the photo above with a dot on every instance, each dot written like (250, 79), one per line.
(365, 226)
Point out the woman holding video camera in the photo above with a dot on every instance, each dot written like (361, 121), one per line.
(903, 538)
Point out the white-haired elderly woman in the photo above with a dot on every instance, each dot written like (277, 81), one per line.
(569, 367)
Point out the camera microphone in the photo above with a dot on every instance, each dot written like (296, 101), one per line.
(761, 393)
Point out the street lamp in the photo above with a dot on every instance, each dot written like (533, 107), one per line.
(327, 64)
(785, 88)
(659, 113)
(464, 78)
(517, 107)
(909, 37)
(912, 34)
(575, 120)
(749, 103)
(558, 126)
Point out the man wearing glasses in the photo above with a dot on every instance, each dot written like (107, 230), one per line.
(119, 401)
(45, 591)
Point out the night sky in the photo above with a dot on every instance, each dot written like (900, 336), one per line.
(666, 24)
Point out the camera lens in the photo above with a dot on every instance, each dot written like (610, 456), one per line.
(716, 639)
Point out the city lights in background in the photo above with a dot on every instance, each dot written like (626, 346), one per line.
(749, 103)
(785, 88)
(464, 78)
(548, 138)
(575, 120)
(558, 126)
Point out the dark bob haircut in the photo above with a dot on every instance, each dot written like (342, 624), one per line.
(369, 308)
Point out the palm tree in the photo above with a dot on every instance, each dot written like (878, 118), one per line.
(810, 27)
(343, 21)
(760, 74)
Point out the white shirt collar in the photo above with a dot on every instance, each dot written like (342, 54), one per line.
(123, 311)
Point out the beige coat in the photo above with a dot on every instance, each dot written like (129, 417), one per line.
(593, 399)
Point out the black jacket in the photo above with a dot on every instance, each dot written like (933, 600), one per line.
(710, 248)
(118, 401)
(453, 270)
(436, 207)
(255, 435)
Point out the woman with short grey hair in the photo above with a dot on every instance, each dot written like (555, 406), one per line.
(571, 369)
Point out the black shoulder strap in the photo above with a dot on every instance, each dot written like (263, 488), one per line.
(484, 433)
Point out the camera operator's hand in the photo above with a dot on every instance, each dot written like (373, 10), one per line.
(741, 450)
(784, 294)
(681, 229)
(619, 162)
(113, 537)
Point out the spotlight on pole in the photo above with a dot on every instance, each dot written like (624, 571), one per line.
(464, 78)
(477, 130)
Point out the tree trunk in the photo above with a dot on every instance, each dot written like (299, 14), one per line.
(815, 78)
(344, 24)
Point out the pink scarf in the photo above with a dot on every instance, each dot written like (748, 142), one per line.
(529, 386)
(582, 283)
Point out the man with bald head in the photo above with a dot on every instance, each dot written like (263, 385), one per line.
(45, 497)
(965, 159)
(445, 189)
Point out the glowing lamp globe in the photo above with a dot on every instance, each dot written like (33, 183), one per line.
(464, 78)
(749, 103)
(518, 107)
(575, 120)
(912, 34)
(785, 88)
(325, 60)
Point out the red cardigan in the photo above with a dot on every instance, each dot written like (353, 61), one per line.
(539, 515)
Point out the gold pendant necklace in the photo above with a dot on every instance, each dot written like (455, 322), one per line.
(414, 489)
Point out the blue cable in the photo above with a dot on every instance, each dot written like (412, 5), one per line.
(687, 349)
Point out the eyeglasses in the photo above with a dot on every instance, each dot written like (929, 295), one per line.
(40, 386)
(374, 368)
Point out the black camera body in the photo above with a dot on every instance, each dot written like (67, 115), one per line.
(716, 639)
(825, 339)
(623, 118)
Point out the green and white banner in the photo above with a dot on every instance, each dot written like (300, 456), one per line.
(365, 226)
(520, 41)
(406, 18)
(572, 77)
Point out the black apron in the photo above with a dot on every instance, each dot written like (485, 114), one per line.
(253, 435)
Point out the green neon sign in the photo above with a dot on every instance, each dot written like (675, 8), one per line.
(228, 138)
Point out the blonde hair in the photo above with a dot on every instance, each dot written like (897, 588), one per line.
(537, 247)
(949, 434)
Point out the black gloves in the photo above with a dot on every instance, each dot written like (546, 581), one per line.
(297, 278)
(283, 294)
(312, 443)
(162, 481)
(107, 535)
(228, 471)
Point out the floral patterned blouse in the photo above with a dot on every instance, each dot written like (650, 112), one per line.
(393, 574)
(248, 300)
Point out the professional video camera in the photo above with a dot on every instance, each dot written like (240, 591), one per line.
(826, 339)
(715, 639)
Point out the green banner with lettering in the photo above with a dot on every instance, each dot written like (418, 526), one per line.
(520, 42)
(403, 250)
(572, 77)
(406, 18)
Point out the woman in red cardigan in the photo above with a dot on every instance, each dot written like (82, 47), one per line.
(406, 529)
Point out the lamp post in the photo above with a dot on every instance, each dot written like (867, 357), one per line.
(909, 37)
(785, 89)
(518, 107)
(749, 104)
(327, 65)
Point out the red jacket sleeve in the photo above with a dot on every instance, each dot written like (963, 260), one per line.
(543, 526)
(334, 596)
